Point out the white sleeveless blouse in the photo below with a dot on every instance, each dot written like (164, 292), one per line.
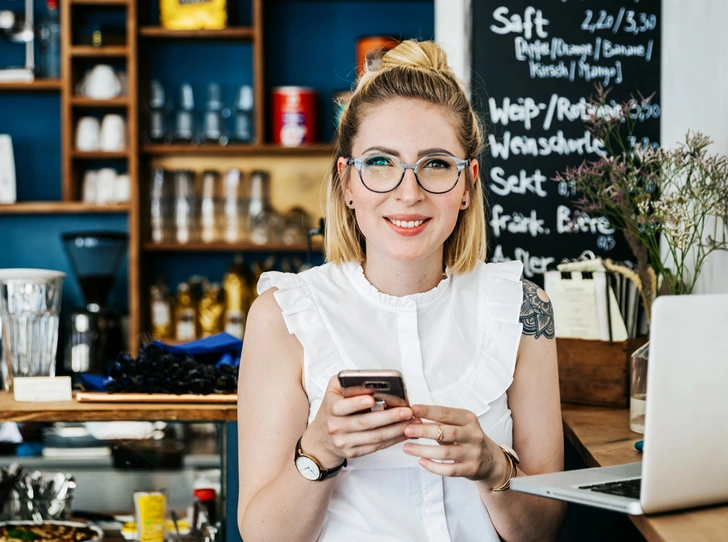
(456, 346)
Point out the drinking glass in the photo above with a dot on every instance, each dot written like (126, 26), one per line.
(30, 304)
(638, 388)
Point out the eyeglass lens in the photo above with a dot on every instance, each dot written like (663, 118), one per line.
(382, 173)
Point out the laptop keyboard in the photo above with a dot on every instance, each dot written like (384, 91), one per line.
(623, 488)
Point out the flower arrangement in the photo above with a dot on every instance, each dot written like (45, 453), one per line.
(650, 193)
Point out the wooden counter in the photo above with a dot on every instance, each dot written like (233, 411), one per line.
(602, 438)
(73, 411)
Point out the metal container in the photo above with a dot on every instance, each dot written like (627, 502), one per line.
(295, 116)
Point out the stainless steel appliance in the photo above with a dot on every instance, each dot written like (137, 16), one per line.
(93, 336)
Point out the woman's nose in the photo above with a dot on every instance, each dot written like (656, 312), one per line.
(409, 190)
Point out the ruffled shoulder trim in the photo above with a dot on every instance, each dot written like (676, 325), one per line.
(304, 320)
(500, 295)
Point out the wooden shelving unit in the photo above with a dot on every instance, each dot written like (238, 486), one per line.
(75, 60)
(75, 162)
(60, 207)
(37, 85)
(236, 33)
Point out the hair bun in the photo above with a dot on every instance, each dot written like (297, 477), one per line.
(425, 55)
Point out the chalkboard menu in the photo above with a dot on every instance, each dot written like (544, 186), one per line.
(535, 66)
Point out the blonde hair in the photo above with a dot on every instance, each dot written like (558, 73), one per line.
(416, 70)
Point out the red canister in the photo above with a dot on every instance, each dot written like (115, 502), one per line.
(295, 111)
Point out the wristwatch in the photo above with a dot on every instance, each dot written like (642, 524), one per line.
(513, 461)
(310, 468)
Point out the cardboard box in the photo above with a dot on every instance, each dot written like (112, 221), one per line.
(595, 372)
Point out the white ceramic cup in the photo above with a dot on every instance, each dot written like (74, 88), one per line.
(113, 133)
(87, 134)
(89, 186)
(101, 83)
(106, 186)
(122, 188)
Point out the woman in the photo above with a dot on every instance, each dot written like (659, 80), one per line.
(404, 288)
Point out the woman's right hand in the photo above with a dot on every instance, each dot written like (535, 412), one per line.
(346, 428)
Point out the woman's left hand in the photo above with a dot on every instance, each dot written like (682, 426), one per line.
(474, 456)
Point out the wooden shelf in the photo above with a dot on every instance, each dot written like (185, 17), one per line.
(226, 247)
(37, 85)
(241, 32)
(236, 149)
(83, 101)
(73, 411)
(60, 207)
(91, 51)
(100, 2)
(99, 155)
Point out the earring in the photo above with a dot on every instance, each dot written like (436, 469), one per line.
(465, 204)
(351, 202)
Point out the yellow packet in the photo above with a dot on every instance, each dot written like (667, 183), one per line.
(150, 509)
(193, 14)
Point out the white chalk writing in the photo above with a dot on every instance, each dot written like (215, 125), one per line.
(516, 223)
(544, 146)
(517, 184)
(566, 223)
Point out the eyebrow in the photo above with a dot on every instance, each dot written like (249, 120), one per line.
(424, 152)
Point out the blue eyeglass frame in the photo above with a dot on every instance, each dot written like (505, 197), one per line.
(358, 162)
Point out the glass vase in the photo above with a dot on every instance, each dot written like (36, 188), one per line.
(638, 388)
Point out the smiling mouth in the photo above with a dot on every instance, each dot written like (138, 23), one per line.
(407, 224)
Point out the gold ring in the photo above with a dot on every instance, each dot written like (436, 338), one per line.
(440, 433)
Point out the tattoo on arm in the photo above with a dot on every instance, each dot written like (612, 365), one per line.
(537, 315)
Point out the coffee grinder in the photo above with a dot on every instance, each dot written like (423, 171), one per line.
(93, 333)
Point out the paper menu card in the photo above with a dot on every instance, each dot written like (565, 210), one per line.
(585, 307)
(7, 170)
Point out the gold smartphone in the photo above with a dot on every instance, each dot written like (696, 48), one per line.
(386, 386)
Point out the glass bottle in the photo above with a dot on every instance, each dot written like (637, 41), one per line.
(161, 311)
(210, 207)
(50, 42)
(185, 315)
(185, 216)
(234, 206)
(157, 106)
(238, 297)
(266, 224)
(159, 200)
(210, 310)
(244, 125)
(184, 125)
(213, 128)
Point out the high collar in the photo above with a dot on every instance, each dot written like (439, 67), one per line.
(410, 302)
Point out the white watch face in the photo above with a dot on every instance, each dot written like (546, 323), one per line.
(307, 468)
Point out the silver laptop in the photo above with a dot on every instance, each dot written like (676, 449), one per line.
(684, 462)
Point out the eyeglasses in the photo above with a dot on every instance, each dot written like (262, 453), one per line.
(435, 173)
